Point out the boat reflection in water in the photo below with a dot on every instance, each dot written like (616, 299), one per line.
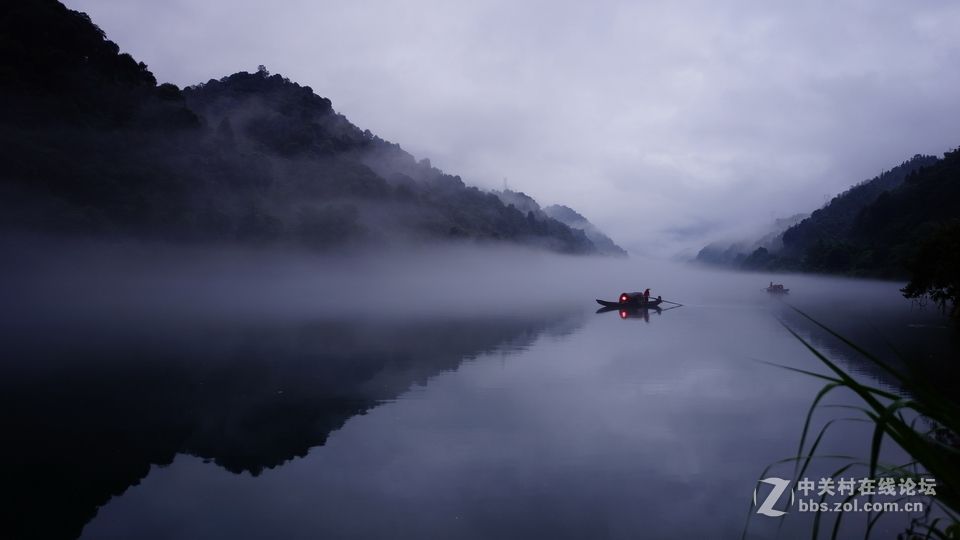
(633, 313)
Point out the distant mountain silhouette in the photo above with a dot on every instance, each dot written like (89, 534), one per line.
(872, 229)
(564, 214)
(570, 217)
(734, 253)
(93, 146)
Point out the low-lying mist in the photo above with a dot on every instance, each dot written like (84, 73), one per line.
(158, 281)
(52, 280)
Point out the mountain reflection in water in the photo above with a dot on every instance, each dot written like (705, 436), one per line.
(96, 407)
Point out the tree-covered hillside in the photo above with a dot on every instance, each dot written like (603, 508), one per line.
(571, 217)
(873, 229)
(735, 253)
(814, 238)
(93, 146)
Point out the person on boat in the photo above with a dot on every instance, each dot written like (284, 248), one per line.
(646, 296)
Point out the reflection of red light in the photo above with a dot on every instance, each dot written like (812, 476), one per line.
(623, 314)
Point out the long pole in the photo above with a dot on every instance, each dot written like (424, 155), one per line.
(669, 302)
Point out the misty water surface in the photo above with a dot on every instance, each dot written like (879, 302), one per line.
(434, 394)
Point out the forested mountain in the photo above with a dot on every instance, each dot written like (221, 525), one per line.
(59, 71)
(571, 217)
(928, 198)
(93, 146)
(873, 229)
(519, 200)
(834, 222)
(566, 215)
(735, 253)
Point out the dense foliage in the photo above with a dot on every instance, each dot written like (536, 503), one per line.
(92, 145)
(58, 69)
(935, 271)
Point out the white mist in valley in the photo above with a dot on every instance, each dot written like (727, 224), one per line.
(442, 280)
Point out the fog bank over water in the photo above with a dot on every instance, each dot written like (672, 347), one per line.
(450, 281)
(74, 293)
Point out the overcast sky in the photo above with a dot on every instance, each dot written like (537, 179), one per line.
(666, 123)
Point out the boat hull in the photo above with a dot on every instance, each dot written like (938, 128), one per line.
(651, 304)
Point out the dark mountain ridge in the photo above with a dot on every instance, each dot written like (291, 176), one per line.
(872, 229)
(836, 219)
(93, 146)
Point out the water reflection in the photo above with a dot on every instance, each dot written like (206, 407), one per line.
(91, 410)
(606, 432)
(524, 419)
(632, 313)
(918, 350)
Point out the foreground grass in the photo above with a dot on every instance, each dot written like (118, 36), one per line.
(923, 421)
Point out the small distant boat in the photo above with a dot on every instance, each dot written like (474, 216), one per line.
(777, 288)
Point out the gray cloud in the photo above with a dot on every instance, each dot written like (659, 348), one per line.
(648, 117)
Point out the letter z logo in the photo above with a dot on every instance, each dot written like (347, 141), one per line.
(779, 486)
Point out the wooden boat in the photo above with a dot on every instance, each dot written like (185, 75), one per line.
(632, 303)
(626, 311)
